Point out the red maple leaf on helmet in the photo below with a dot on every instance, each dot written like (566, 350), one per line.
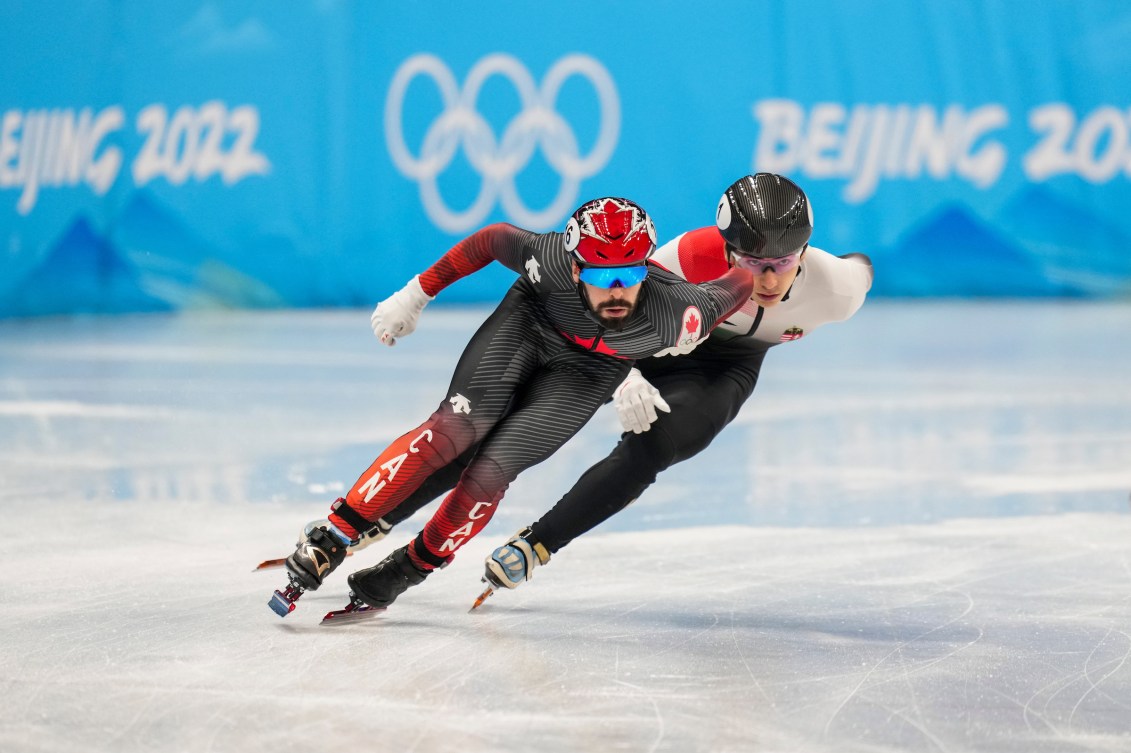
(617, 226)
(692, 324)
(615, 221)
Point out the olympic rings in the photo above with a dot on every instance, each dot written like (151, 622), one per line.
(498, 162)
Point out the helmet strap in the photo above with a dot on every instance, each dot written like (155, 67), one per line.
(800, 270)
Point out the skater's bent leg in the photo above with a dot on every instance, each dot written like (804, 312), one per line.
(402, 468)
(463, 513)
(571, 392)
(435, 486)
(702, 404)
(606, 488)
(488, 384)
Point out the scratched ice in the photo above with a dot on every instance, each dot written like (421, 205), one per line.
(914, 538)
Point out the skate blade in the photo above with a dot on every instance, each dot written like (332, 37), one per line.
(482, 598)
(272, 564)
(268, 564)
(348, 615)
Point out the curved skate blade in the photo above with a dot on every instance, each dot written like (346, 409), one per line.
(482, 598)
(268, 564)
(353, 612)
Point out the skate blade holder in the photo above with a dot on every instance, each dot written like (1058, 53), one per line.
(280, 604)
(355, 611)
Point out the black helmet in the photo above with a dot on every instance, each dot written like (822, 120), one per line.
(765, 215)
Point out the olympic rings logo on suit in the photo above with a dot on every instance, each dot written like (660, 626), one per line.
(499, 161)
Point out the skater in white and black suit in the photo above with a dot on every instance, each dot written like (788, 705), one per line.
(673, 407)
(584, 309)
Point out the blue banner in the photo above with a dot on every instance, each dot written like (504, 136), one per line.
(159, 156)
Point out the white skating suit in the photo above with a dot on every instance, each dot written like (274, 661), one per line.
(707, 386)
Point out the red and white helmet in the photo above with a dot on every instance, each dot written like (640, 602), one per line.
(610, 232)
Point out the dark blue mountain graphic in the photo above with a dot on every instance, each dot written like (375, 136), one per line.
(80, 273)
(143, 227)
(1074, 243)
(178, 265)
(953, 253)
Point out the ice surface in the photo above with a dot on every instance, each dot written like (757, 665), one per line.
(915, 537)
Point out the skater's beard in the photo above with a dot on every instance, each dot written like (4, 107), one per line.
(614, 323)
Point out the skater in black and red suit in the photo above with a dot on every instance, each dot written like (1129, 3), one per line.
(673, 407)
(566, 334)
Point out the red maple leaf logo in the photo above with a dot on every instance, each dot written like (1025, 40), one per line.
(619, 228)
(692, 324)
(615, 222)
(587, 343)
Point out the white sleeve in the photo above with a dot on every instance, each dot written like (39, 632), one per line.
(857, 273)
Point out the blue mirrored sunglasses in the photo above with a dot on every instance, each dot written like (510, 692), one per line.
(611, 277)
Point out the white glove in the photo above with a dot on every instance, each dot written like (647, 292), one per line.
(396, 315)
(637, 401)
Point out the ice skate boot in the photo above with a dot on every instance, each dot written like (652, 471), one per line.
(380, 585)
(315, 557)
(513, 563)
(378, 531)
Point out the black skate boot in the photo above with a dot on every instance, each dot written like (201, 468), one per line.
(316, 557)
(380, 585)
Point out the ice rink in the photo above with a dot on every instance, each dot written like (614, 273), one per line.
(915, 537)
